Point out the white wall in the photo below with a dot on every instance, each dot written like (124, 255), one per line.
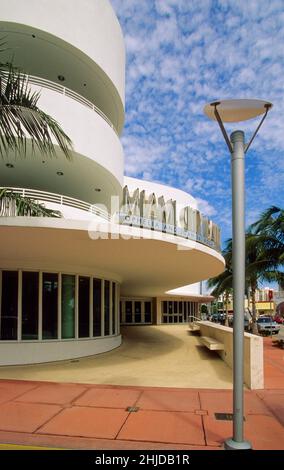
(181, 197)
(91, 135)
(29, 352)
(89, 25)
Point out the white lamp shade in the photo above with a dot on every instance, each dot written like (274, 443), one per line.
(237, 110)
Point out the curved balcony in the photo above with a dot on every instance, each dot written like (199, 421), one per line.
(62, 90)
(82, 46)
(79, 209)
(96, 170)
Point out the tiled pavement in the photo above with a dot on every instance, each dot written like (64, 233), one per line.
(83, 416)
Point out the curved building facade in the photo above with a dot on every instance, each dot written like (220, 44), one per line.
(121, 246)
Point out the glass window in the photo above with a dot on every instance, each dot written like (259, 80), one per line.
(113, 308)
(107, 308)
(84, 307)
(97, 294)
(165, 306)
(170, 304)
(128, 311)
(137, 311)
(30, 289)
(180, 307)
(175, 307)
(120, 311)
(68, 306)
(49, 306)
(190, 313)
(170, 319)
(148, 312)
(9, 305)
(184, 311)
(165, 319)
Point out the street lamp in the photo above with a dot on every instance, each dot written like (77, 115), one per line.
(236, 111)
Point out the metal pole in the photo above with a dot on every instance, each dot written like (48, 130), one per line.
(238, 222)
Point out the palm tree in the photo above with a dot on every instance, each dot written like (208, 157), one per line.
(262, 264)
(22, 119)
(271, 225)
(13, 204)
(222, 284)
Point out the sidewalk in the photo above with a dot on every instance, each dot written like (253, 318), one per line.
(85, 416)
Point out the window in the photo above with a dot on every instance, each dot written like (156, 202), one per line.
(49, 306)
(113, 308)
(107, 308)
(128, 311)
(165, 306)
(84, 307)
(68, 306)
(9, 305)
(97, 293)
(30, 289)
(137, 312)
(148, 312)
(185, 311)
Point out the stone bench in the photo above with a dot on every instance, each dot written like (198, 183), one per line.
(212, 343)
(194, 327)
(222, 337)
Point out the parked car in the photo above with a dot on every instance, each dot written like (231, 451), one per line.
(279, 319)
(267, 326)
(247, 321)
(247, 324)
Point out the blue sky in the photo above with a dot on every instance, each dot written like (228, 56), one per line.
(182, 54)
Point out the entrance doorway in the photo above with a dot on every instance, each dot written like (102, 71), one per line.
(136, 311)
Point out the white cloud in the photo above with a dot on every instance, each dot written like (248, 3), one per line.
(183, 54)
(205, 207)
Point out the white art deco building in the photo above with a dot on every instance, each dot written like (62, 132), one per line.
(123, 248)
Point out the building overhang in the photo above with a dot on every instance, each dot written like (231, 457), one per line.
(146, 262)
(190, 297)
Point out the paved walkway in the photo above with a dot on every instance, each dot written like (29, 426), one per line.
(85, 416)
(154, 356)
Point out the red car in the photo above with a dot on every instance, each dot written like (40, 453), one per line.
(279, 319)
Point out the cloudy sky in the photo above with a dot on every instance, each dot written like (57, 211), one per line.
(182, 54)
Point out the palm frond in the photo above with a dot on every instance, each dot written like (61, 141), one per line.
(21, 119)
(13, 204)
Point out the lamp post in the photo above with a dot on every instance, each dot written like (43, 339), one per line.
(236, 111)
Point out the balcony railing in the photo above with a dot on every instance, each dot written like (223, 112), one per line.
(38, 81)
(118, 218)
(61, 200)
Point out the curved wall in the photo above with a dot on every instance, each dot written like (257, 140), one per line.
(79, 41)
(181, 197)
(12, 353)
(96, 171)
(91, 135)
(49, 315)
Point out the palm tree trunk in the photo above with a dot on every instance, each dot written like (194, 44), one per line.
(227, 308)
(254, 324)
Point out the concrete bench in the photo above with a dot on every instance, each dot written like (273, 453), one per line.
(212, 343)
(253, 351)
(194, 327)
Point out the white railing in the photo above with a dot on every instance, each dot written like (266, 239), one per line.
(61, 200)
(38, 81)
